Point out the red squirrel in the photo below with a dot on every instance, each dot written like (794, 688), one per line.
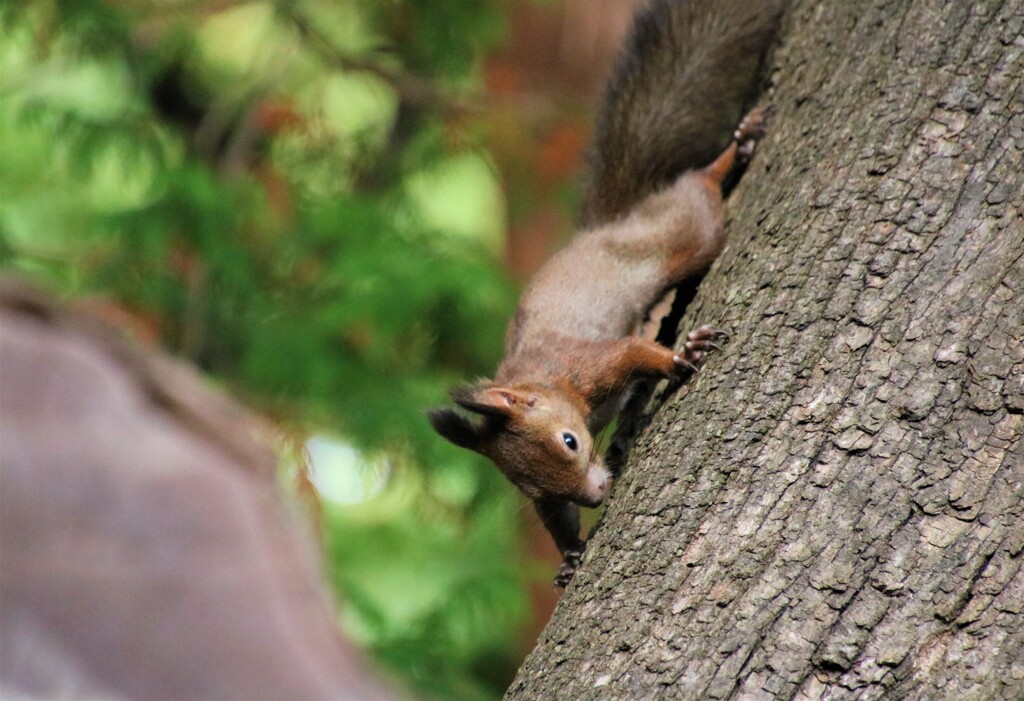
(652, 217)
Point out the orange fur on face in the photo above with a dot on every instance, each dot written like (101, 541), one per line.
(535, 436)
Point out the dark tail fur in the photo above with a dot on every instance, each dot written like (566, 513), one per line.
(689, 69)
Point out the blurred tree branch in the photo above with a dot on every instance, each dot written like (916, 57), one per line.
(413, 90)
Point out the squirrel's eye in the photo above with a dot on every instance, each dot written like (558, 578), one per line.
(570, 441)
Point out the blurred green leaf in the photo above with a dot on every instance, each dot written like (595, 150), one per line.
(295, 226)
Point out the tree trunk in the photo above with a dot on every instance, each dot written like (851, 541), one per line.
(834, 507)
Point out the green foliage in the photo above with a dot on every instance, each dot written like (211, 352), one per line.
(257, 186)
(430, 592)
(441, 37)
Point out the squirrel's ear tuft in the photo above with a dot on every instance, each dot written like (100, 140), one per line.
(479, 400)
(488, 400)
(456, 428)
(493, 404)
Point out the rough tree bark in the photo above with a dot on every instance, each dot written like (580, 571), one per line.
(834, 507)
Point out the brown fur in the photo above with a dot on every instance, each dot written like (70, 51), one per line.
(569, 353)
(654, 218)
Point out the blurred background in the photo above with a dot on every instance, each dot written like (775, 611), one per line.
(328, 207)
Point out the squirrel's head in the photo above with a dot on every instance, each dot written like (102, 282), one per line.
(536, 437)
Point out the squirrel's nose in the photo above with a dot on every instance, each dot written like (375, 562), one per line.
(597, 487)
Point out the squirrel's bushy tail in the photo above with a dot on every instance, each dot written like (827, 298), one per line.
(689, 69)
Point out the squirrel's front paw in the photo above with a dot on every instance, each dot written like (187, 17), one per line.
(697, 343)
(570, 561)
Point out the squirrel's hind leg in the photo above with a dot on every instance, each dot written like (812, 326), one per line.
(726, 169)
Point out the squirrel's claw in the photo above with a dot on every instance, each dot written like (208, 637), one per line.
(698, 341)
(570, 562)
(690, 365)
(750, 131)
